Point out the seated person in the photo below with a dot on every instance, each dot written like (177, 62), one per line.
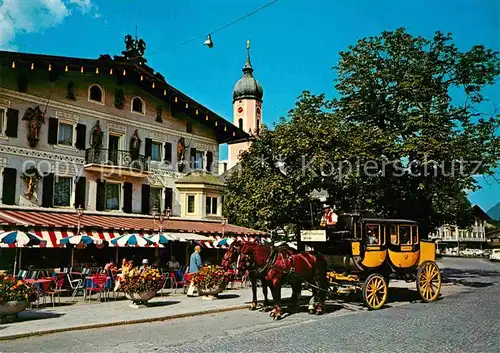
(372, 237)
(145, 265)
(173, 264)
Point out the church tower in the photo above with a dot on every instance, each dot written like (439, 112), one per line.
(247, 108)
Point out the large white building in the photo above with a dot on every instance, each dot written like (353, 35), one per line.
(111, 136)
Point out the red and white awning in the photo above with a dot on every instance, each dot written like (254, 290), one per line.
(211, 244)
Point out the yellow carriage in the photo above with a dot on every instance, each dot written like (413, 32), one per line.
(363, 254)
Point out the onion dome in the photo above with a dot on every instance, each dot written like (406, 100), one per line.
(248, 86)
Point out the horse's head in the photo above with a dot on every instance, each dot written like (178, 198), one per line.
(231, 254)
(247, 256)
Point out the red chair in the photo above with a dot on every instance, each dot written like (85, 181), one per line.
(176, 283)
(98, 286)
(58, 290)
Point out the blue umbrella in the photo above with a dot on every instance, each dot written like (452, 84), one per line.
(224, 242)
(80, 239)
(161, 238)
(131, 240)
(20, 239)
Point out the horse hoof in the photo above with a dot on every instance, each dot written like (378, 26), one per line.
(277, 317)
(319, 313)
(253, 307)
(272, 314)
(311, 311)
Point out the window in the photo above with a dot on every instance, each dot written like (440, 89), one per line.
(62, 191)
(190, 208)
(372, 234)
(189, 127)
(258, 127)
(65, 134)
(95, 94)
(414, 234)
(112, 196)
(138, 105)
(394, 234)
(240, 123)
(211, 205)
(198, 160)
(156, 151)
(3, 115)
(155, 199)
(404, 235)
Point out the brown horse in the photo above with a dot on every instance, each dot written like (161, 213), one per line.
(252, 258)
(288, 266)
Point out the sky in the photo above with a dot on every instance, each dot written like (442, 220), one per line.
(294, 44)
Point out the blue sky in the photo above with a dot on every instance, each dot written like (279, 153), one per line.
(295, 44)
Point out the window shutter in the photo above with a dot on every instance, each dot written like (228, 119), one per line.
(145, 198)
(81, 131)
(148, 148)
(53, 127)
(168, 152)
(169, 198)
(101, 196)
(192, 157)
(208, 204)
(210, 159)
(9, 186)
(127, 197)
(214, 205)
(12, 122)
(80, 190)
(48, 191)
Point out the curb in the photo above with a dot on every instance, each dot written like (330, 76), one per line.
(122, 323)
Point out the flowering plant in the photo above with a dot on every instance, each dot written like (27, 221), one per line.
(12, 289)
(134, 281)
(211, 277)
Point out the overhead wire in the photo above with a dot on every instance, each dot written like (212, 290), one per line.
(216, 30)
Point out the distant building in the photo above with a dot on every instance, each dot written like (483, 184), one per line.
(451, 236)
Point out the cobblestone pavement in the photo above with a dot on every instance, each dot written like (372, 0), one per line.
(465, 320)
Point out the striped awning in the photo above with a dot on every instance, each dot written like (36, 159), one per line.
(52, 226)
(211, 243)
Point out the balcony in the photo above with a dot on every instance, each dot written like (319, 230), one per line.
(116, 163)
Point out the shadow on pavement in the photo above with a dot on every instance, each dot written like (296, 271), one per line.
(465, 277)
(30, 315)
(162, 303)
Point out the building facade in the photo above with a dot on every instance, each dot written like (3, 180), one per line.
(108, 135)
(452, 237)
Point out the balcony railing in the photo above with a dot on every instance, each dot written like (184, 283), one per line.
(116, 158)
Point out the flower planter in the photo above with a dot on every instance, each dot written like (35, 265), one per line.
(210, 293)
(12, 308)
(140, 298)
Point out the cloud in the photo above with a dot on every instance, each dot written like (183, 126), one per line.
(20, 16)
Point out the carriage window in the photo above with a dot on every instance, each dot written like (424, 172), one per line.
(357, 230)
(394, 234)
(404, 235)
(414, 234)
(372, 234)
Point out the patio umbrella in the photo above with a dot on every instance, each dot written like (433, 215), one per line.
(161, 238)
(82, 240)
(131, 240)
(20, 239)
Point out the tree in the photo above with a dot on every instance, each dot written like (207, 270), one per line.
(396, 96)
(271, 190)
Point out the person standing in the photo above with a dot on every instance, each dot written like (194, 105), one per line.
(194, 266)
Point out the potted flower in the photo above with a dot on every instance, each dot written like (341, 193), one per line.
(210, 280)
(15, 295)
(140, 287)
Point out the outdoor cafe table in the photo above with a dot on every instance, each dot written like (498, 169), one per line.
(42, 284)
(89, 283)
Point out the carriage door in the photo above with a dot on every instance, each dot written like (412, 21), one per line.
(408, 245)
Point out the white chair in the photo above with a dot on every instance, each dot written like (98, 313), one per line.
(76, 285)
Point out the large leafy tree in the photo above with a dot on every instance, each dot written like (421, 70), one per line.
(416, 102)
(404, 138)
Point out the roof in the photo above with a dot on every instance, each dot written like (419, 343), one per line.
(136, 72)
(248, 86)
(479, 213)
(200, 178)
(224, 177)
(388, 220)
(11, 217)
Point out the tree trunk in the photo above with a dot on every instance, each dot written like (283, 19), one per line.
(300, 244)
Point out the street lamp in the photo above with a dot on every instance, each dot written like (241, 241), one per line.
(79, 215)
(163, 216)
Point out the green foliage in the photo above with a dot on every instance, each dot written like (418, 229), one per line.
(394, 144)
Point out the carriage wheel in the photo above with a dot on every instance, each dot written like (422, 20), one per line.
(374, 291)
(428, 281)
